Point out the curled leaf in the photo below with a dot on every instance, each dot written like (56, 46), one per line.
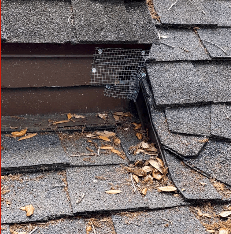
(167, 189)
(225, 214)
(147, 169)
(113, 191)
(69, 116)
(144, 145)
(139, 135)
(30, 135)
(19, 134)
(156, 165)
(157, 175)
(29, 210)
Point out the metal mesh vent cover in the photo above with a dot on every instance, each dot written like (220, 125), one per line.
(119, 70)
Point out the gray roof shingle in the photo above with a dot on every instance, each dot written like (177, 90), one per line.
(37, 22)
(178, 44)
(217, 41)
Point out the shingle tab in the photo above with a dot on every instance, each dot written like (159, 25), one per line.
(215, 160)
(217, 41)
(189, 120)
(102, 21)
(38, 152)
(181, 144)
(38, 21)
(46, 192)
(177, 44)
(192, 185)
(220, 11)
(186, 83)
(183, 12)
(141, 21)
(177, 83)
(221, 120)
(3, 30)
(88, 185)
(168, 221)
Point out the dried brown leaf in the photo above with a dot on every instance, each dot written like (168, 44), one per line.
(106, 147)
(144, 145)
(167, 189)
(62, 121)
(69, 116)
(136, 178)
(157, 175)
(117, 141)
(139, 136)
(19, 134)
(144, 191)
(160, 162)
(223, 231)
(29, 210)
(225, 214)
(113, 191)
(118, 153)
(116, 117)
(30, 135)
(104, 138)
(156, 165)
(103, 116)
(79, 116)
(106, 134)
(147, 169)
(147, 179)
(137, 126)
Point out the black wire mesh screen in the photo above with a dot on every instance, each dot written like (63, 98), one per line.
(119, 70)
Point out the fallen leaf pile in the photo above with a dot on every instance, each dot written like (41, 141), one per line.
(145, 148)
(148, 174)
(29, 210)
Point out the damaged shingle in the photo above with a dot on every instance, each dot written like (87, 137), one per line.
(177, 44)
(215, 161)
(217, 41)
(189, 120)
(181, 144)
(221, 120)
(192, 185)
(38, 21)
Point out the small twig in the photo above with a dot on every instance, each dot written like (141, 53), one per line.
(216, 46)
(133, 185)
(93, 227)
(167, 220)
(78, 201)
(172, 5)
(98, 151)
(173, 47)
(33, 230)
(83, 154)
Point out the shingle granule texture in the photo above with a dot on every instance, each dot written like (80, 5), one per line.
(215, 160)
(44, 191)
(177, 44)
(191, 184)
(181, 144)
(189, 120)
(179, 220)
(221, 120)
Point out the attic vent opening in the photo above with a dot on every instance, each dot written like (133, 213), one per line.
(120, 70)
